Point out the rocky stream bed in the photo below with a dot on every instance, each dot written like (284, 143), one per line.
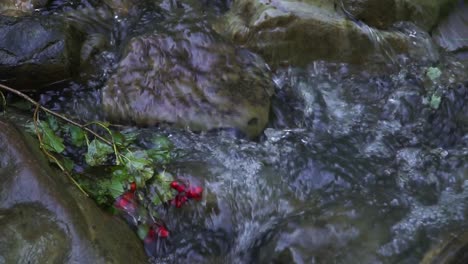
(321, 131)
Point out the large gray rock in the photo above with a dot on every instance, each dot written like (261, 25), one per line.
(45, 219)
(35, 51)
(298, 32)
(184, 74)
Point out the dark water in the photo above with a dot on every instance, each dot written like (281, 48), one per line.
(355, 166)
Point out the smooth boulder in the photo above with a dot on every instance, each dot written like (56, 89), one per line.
(44, 218)
(184, 74)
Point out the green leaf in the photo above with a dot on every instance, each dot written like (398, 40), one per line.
(77, 136)
(130, 135)
(67, 163)
(142, 231)
(118, 139)
(163, 185)
(97, 153)
(159, 156)
(51, 141)
(115, 188)
(53, 124)
(121, 173)
(435, 101)
(30, 128)
(433, 73)
(139, 165)
(162, 143)
(137, 160)
(164, 178)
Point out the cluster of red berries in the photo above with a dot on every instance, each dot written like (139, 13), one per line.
(156, 231)
(128, 204)
(185, 193)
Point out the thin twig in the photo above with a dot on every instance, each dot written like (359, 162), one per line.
(66, 119)
(3, 100)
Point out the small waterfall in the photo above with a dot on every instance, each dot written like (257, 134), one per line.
(419, 43)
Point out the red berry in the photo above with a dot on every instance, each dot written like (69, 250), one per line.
(177, 186)
(133, 187)
(180, 200)
(128, 195)
(163, 232)
(125, 203)
(195, 193)
(150, 236)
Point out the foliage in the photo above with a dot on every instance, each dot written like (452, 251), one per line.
(123, 159)
(127, 167)
(435, 101)
(433, 73)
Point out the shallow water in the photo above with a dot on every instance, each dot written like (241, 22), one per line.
(355, 164)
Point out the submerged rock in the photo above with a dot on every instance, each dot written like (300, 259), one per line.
(298, 32)
(36, 51)
(186, 75)
(45, 219)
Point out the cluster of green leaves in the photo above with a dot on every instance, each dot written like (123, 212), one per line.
(124, 161)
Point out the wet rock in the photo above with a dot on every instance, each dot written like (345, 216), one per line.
(383, 13)
(36, 51)
(297, 32)
(44, 217)
(452, 32)
(184, 74)
(20, 7)
(375, 13)
(26, 241)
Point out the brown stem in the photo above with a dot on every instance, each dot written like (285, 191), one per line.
(64, 118)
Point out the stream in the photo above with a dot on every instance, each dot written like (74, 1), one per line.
(355, 166)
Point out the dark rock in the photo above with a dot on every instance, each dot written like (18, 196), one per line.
(44, 217)
(185, 74)
(36, 51)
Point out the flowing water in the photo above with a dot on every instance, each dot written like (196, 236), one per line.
(355, 166)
